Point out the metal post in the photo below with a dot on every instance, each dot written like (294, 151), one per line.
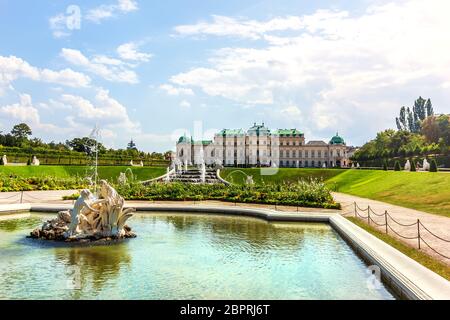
(21, 197)
(418, 232)
(356, 213)
(385, 221)
(368, 215)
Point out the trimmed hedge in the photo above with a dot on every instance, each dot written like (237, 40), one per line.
(304, 193)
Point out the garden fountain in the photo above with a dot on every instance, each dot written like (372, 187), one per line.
(91, 219)
(167, 178)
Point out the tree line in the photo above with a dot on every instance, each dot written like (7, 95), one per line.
(19, 141)
(420, 132)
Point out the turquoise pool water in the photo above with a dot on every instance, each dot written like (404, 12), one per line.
(180, 256)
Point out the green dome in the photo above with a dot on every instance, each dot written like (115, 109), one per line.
(337, 140)
(184, 139)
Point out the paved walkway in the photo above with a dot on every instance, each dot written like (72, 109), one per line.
(439, 225)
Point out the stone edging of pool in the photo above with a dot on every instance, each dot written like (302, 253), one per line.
(406, 277)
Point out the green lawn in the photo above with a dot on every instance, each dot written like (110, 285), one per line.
(107, 172)
(421, 257)
(426, 191)
(238, 176)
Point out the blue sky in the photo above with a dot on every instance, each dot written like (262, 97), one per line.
(152, 70)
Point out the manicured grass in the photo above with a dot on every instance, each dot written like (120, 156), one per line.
(425, 191)
(277, 175)
(107, 172)
(421, 257)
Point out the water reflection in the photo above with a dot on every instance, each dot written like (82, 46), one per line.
(19, 223)
(179, 256)
(90, 268)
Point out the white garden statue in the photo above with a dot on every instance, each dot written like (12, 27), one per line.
(35, 161)
(407, 166)
(90, 219)
(426, 165)
(5, 160)
(249, 181)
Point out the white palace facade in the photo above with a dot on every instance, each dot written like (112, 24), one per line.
(259, 146)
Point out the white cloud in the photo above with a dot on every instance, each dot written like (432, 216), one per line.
(110, 11)
(107, 68)
(176, 91)
(12, 68)
(185, 104)
(228, 26)
(104, 108)
(351, 71)
(128, 51)
(22, 111)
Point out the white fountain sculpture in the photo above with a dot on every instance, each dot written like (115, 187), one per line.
(35, 161)
(407, 166)
(122, 180)
(90, 219)
(5, 160)
(203, 172)
(353, 166)
(426, 165)
(167, 178)
(141, 163)
(131, 163)
(324, 166)
(357, 165)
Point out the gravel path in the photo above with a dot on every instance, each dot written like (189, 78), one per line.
(439, 225)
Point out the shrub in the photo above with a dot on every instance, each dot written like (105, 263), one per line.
(385, 165)
(433, 166)
(28, 162)
(413, 166)
(397, 166)
(311, 193)
(1, 161)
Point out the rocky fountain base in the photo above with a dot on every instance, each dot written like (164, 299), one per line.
(90, 220)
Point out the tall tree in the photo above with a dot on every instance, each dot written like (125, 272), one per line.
(410, 118)
(429, 108)
(401, 120)
(21, 131)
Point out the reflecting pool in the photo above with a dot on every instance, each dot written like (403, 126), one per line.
(177, 256)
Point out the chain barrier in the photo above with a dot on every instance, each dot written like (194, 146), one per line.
(388, 217)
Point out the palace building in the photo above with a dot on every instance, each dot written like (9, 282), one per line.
(259, 146)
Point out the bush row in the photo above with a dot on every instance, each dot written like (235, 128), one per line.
(12, 183)
(303, 193)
